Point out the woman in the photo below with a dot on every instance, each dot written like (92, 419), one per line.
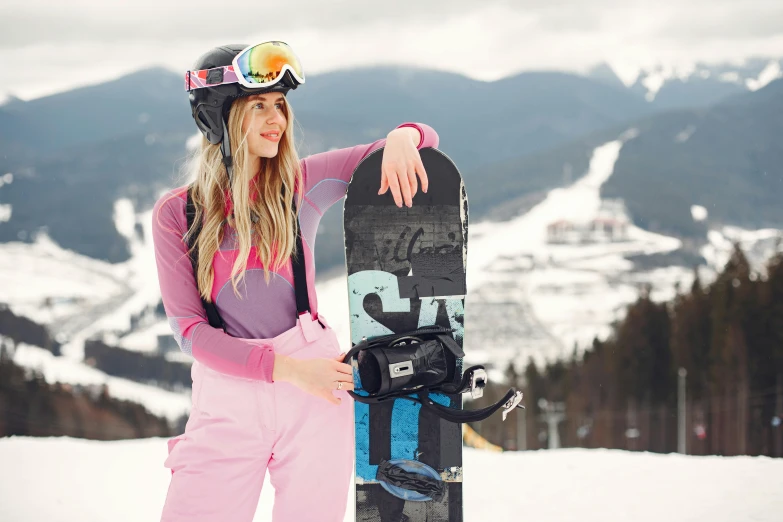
(270, 389)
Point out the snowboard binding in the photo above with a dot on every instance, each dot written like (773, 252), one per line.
(413, 364)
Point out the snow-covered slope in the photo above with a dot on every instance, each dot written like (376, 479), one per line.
(78, 296)
(528, 297)
(70, 480)
(532, 298)
(169, 404)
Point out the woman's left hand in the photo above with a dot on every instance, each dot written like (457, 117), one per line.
(401, 164)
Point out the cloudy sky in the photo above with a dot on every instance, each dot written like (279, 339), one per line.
(86, 41)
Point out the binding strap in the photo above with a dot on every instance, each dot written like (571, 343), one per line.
(397, 476)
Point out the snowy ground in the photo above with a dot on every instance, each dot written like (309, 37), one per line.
(65, 480)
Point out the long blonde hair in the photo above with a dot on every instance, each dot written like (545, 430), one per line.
(273, 233)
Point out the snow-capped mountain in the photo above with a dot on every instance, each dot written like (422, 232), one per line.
(693, 85)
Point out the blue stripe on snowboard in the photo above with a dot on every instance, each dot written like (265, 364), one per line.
(405, 414)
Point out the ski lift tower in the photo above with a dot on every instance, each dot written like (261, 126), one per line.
(554, 414)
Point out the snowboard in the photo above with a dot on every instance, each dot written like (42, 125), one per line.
(406, 269)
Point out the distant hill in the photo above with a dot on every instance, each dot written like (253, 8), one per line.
(512, 139)
(73, 154)
(727, 158)
(151, 100)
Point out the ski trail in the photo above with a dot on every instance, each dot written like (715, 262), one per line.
(510, 324)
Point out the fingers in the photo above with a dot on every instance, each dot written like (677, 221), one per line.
(394, 184)
(412, 181)
(403, 181)
(328, 394)
(343, 368)
(425, 182)
(331, 398)
(405, 186)
(347, 385)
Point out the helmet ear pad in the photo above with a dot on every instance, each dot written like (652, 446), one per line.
(208, 115)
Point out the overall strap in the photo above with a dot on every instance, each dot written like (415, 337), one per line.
(297, 262)
(300, 276)
(212, 312)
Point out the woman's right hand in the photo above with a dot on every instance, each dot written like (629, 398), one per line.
(318, 377)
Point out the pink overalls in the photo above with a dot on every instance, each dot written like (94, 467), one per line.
(240, 427)
(242, 422)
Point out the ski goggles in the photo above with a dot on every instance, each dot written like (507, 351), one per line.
(256, 67)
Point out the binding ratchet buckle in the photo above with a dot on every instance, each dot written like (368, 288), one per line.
(478, 381)
(512, 403)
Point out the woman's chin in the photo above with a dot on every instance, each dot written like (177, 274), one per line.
(267, 153)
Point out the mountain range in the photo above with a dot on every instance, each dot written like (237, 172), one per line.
(694, 85)
(73, 154)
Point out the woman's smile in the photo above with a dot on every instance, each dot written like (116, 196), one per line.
(273, 136)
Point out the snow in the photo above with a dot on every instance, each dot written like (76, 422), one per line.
(730, 77)
(193, 142)
(771, 72)
(758, 245)
(685, 134)
(653, 83)
(141, 288)
(61, 369)
(577, 203)
(654, 77)
(5, 209)
(628, 73)
(564, 294)
(124, 219)
(145, 339)
(554, 296)
(66, 479)
(699, 213)
(78, 295)
(32, 273)
(534, 299)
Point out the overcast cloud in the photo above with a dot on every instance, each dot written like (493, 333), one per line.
(85, 41)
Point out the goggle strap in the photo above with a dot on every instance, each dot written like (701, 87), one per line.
(200, 78)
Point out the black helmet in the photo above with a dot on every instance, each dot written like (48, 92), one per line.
(210, 105)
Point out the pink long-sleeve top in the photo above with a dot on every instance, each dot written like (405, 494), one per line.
(266, 310)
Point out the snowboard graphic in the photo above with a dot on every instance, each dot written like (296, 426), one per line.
(406, 269)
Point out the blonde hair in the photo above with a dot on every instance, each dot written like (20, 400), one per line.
(273, 233)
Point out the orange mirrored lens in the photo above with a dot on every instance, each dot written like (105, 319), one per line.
(264, 63)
